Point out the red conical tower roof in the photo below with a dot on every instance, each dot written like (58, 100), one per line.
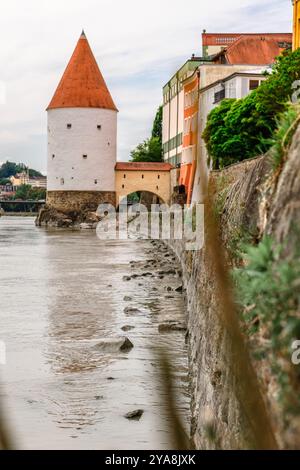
(82, 84)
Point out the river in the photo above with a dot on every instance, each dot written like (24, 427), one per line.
(62, 292)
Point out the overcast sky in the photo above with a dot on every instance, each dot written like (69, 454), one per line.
(138, 44)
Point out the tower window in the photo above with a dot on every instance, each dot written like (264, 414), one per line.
(142, 177)
(99, 127)
(62, 181)
(84, 156)
(108, 143)
(123, 186)
(69, 126)
(96, 181)
(53, 156)
(158, 177)
(124, 176)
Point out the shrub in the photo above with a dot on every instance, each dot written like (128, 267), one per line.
(267, 290)
(283, 135)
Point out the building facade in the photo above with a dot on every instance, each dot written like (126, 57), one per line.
(82, 135)
(173, 110)
(200, 84)
(296, 24)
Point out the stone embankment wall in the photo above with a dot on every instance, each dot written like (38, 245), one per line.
(73, 209)
(76, 201)
(250, 197)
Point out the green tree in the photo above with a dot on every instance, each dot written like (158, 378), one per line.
(157, 124)
(33, 173)
(151, 149)
(26, 193)
(243, 128)
(215, 133)
(4, 181)
(8, 169)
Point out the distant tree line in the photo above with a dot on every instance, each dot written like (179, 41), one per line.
(9, 169)
(28, 193)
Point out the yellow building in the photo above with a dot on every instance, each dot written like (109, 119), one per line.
(296, 25)
(152, 177)
(19, 179)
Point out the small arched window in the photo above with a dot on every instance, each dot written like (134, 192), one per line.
(84, 156)
(142, 177)
(62, 181)
(96, 181)
(69, 126)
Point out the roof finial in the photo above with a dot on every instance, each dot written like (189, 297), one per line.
(83, 34)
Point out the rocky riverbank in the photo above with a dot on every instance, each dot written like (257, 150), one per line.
(49, 217)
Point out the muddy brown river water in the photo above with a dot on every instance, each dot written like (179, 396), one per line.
(61, 294)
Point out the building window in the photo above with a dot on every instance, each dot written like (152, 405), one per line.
(53, 156)
(158, 177)
(157, 188)
(69, 126)
(219, 96)
(84, 156)
(123, 186)
(96, 181)
(99, 127)
(142, 177)
(253, 84)
(124, 176)
(108, 143)
(62, 181)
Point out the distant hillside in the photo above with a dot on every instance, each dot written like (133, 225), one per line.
(9, 169)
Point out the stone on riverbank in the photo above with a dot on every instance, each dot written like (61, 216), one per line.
(127, 328)
(171, 326)
(120, 343)
(134, 415)
(131, 310)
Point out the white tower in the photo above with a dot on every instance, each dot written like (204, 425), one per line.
(82, 135)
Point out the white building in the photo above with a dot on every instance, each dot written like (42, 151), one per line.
(39, 182)
(82, 135)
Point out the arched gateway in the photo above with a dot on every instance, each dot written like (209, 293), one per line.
(151, 177)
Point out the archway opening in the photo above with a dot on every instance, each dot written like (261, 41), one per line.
(146, 198)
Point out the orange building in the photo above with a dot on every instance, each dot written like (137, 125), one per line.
(190, 133)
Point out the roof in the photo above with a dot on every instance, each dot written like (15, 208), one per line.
(82, 84)
(216, 39)
(143, 166)
(253, 49)
(195, 61)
